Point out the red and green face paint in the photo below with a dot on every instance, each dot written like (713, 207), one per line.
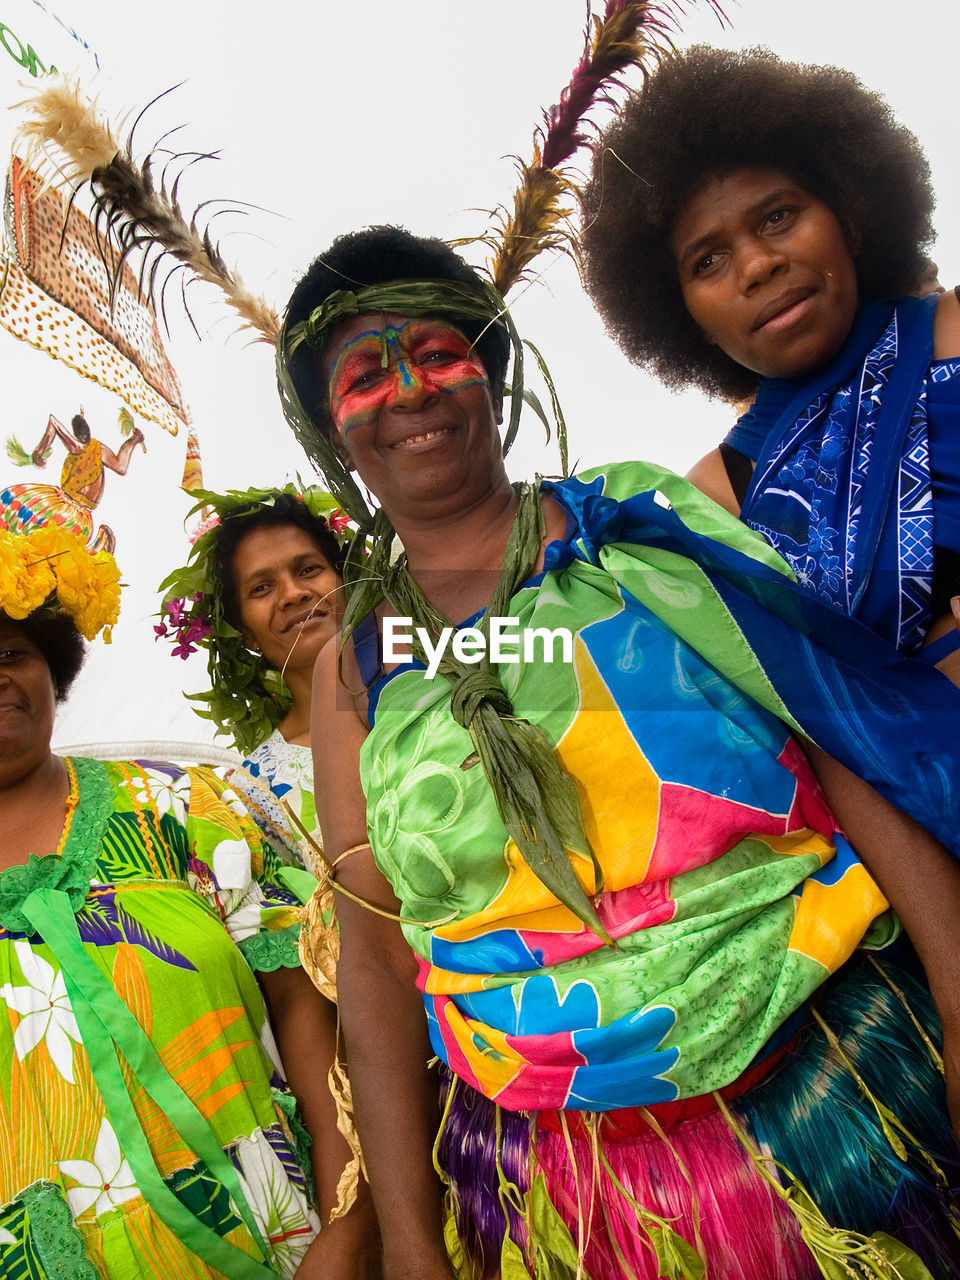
(380, 367)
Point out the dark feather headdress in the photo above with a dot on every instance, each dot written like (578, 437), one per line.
(135, 213)
(630, 36)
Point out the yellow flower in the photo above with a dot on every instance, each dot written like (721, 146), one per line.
(21, 590)
(50, 559)
(11, 574)
(39, 549)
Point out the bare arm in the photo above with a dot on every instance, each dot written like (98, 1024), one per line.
(54, 429)
(710, 477)
(305, 1026)
(381, 1009)
(119, 461)
(946, 327)
(921, 881)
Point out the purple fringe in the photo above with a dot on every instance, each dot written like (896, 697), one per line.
(468, 1156)
(809, 1114)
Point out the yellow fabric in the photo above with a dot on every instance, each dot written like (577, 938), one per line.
(80, 470)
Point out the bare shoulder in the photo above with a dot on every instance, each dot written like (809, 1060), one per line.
(710, 477)
(946, 327)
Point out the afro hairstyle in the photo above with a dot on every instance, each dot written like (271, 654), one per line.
(374, 256)
(704, 114)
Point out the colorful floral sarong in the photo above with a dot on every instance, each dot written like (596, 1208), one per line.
(181, 1157)
(277, 774)
(725, 887)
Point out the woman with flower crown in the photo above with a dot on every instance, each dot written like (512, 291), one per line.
(261, 593)
(146, 1129)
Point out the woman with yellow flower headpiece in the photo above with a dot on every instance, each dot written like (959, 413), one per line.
(145, 1127)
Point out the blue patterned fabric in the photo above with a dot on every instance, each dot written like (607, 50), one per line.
(843, 486)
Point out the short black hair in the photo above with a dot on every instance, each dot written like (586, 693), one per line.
(58, 640)
(233, 528)
(703, 114)
(81, 428)
(373, 256)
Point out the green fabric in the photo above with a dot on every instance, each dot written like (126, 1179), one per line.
(279, 949)
(71, 871)
(107, 1025)
(149, 960)
(535, 798)
(43, 1239)
(299, 881)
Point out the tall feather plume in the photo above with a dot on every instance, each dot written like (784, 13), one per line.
(628, 35)
(133, 212)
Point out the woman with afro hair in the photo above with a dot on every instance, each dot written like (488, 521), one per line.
(758, 229)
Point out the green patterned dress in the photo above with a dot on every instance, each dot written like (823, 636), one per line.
(145, 1130)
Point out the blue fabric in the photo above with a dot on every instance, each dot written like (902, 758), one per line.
(852, 464)
(888, 718)
(937, 650)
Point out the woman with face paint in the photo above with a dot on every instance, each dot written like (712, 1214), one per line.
(753, 227)
(604, 891)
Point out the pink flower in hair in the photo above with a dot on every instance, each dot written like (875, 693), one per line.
(338, 521)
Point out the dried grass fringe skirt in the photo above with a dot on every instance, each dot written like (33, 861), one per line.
(702, 1196)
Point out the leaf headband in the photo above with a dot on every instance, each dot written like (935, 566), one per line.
(453, 298)
(247, 699)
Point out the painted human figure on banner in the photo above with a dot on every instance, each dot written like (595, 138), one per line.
(71, 503)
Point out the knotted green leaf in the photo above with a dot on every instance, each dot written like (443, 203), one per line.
(512, 1265)
(459, 1263)
(676, 1257)
(904, 1260)
(536, 800)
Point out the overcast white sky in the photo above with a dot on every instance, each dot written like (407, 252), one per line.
(333, 116)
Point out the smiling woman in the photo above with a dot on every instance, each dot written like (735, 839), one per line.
(282, 591)
(603, 890)
(135, 903)
(265, 596)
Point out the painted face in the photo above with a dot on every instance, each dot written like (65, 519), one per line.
(27, 698)
(767, 272)
(407, 361)
(289, 595)
(412, 407)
